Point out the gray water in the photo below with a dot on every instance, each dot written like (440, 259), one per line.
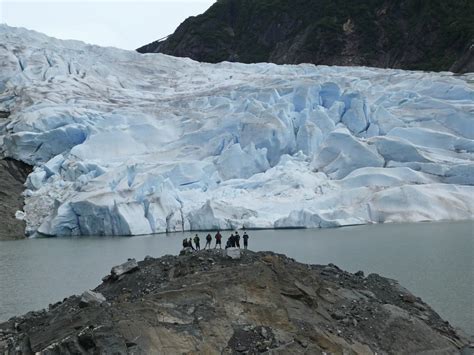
(433, 260)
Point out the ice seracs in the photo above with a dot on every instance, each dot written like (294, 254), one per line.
(125, 143)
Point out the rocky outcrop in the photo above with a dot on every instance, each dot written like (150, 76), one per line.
(407, 34)
(119, 270)
(209, 303)
(90, 297)
(465, 64)
(13, 175)
(4, 114)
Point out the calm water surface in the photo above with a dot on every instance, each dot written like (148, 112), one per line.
(434, 260)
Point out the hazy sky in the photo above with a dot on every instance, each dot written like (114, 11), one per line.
(119, 23)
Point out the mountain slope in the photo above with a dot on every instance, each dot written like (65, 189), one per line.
(407, 34)
(126, 144)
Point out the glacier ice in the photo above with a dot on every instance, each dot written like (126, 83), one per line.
(128, 144)
(342, 153)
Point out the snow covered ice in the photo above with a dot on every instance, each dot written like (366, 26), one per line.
(125, 143)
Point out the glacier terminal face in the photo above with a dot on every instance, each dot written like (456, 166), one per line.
(129, 144)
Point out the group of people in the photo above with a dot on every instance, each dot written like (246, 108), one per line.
(232, 242)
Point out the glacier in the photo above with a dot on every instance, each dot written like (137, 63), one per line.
(128, 144)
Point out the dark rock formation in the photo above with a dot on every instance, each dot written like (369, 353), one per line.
(208, 303)
(4, 114)
(13, 175)
(465, 64)
(406, 34)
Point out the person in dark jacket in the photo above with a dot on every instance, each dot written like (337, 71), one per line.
(197, 242)
(218, 240)
(208, 241)
(232, 241)
(185, 243)
(245, 237)
(190, 243)
(237, 239)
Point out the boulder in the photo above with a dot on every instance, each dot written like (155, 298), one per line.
(408, 297)
(233, 253)
(186, 251)
(129, 266)
(90, 297)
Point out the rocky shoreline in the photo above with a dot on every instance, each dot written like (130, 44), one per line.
(218, 302)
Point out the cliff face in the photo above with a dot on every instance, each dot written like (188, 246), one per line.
(13, 174)
(209, 303)
(407, 34)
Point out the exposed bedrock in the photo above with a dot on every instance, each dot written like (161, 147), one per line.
(244, 303)
(13, 175)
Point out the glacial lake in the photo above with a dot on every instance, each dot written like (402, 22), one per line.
(433, 260)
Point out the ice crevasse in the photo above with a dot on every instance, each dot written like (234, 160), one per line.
(127, 144)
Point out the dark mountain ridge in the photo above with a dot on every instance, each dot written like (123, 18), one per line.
(431, 35)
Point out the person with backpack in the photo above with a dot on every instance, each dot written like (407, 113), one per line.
(245, 237)
(218, 240)
(208, 241)
(237, 239)
(227, 244)
(197, 242)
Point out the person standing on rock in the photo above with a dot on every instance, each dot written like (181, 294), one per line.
(232, 240)
(185, 243)
(197, 242)
(218, 240)
(190, 243)
(208, 241)
(237, 239)
(245, 237)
